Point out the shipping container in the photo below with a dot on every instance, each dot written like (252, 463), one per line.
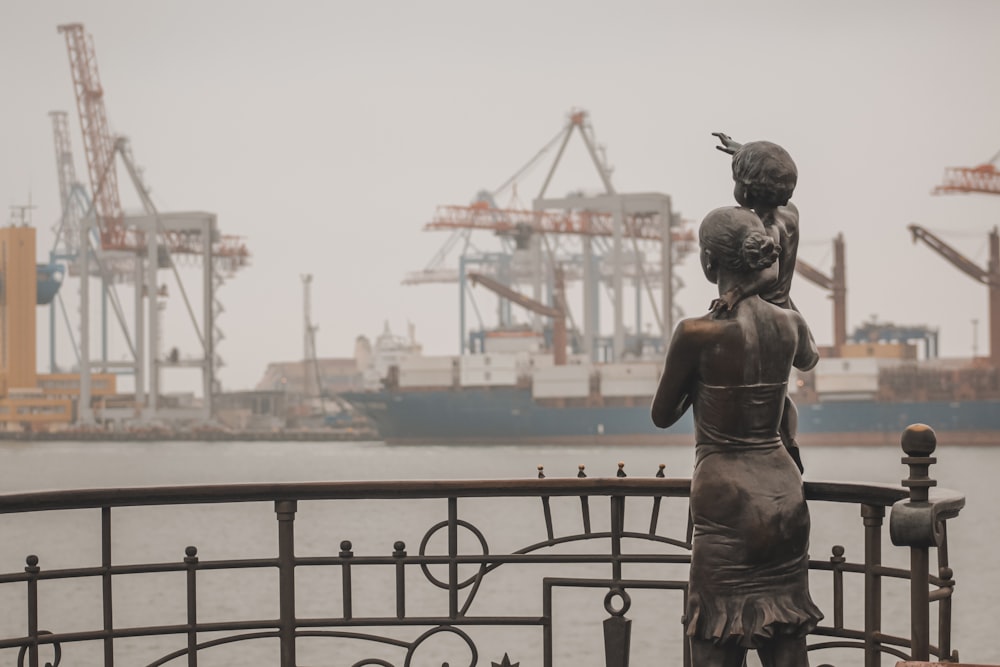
(847, 375)
(488, 377)
(432, 363)
(426, 378)
(562, 382)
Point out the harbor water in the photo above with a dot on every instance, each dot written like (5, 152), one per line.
(72, 539)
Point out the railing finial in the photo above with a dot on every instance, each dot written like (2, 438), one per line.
(919, 442)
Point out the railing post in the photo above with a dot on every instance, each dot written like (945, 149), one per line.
(106, 588)
(944, 605)
(872, 516)
(452, 556)
(919, 444)
(399, 553)
(346, 554)
(837, 561)
(191, 561)
(285, 510)
(31, 567)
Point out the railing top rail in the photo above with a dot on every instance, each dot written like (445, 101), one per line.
(844, 492)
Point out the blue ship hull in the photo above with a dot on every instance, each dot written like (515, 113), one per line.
(510, 415)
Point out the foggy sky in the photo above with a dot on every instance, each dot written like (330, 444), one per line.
(326, 133)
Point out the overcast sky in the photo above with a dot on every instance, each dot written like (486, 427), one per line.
(326, 133)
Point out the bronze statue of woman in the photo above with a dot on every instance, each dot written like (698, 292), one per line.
(748, 584)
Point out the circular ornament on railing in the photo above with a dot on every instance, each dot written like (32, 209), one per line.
(427, 538)
(474, 653)
(626, 602)
(56, 650)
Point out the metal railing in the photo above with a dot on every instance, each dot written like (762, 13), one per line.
(619, 536)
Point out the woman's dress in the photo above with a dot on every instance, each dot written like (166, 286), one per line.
(749, 560)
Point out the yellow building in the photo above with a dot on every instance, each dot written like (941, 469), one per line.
(28, 399)
(19, 274)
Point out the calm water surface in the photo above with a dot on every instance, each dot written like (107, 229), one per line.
(143, 535)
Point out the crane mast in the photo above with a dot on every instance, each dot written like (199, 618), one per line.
(67, 234)
(836, 284)
(66, 170)
(310, 361)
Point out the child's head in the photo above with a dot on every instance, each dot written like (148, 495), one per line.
(764, 173)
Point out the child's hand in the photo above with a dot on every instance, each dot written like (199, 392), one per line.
(728, 145)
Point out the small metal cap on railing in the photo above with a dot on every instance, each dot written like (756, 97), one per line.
(919, 442)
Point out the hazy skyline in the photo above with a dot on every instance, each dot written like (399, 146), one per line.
(326, 133)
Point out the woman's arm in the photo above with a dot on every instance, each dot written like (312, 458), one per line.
(674, 392)
(757, 284)
(806, 354)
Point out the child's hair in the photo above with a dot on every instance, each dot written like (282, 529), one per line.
(735, 236)
(767, 172)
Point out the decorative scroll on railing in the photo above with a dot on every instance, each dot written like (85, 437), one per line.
(623, 562)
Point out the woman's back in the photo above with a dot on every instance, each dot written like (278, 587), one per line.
(743, 372)
(754, 343)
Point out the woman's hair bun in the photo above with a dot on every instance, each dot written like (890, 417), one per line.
(759, 251)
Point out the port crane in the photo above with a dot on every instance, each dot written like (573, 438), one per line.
(990, 276)
(131, 248)
(311, 375)
(983, 179)
(610, 232)
(836, 284)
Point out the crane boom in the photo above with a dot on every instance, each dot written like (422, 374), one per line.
(985, 179)
(557, 312)
(506, 292)
(581, 223)
(813, 275)
(957, 259)
(98, 144)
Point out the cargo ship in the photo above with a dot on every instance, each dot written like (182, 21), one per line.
(522, 396)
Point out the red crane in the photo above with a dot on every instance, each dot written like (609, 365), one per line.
(984, 178)
(98, 143)
(101, 147)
